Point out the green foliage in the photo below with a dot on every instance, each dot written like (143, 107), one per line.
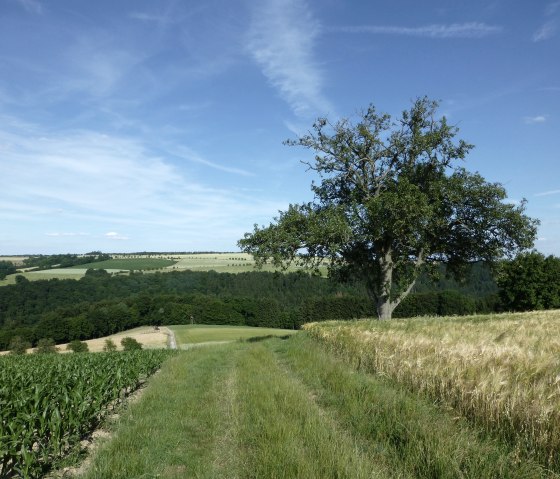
(530, 281)
(18, 345)
(109, 346)
(77, 346)
(49, 403)
(129, 264)
(46, 346)
(390, 204)
(6, 268)
(64, 260)
(130, 344)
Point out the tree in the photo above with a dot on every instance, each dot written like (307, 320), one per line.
(392, 202)
(77, 346)
(46, 346)
(530, 281)
(130, 344)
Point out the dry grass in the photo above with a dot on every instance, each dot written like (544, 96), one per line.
(501, 371)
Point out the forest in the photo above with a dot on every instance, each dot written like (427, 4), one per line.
(100, 304)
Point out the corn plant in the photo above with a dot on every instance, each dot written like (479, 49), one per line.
(49, 403)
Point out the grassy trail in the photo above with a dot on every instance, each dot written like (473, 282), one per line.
(288, 409)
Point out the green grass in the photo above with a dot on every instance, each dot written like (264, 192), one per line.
(200, 333)
(291, 409)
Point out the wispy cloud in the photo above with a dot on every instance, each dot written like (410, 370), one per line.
(65, 234)
(119, 188)
(546, 31)
(32, 6)
(113, 235)
(548, 193)
(453, 30)
(531, 120)
(282, 40)
(549, 28)
(189, 155)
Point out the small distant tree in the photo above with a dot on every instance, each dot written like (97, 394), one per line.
(109, 346)
(77, 346)
(130, 344)
(18, 345)
(46, 346)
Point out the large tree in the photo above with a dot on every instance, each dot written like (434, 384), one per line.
(392, 201)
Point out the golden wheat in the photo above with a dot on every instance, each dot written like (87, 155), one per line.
(501, 371)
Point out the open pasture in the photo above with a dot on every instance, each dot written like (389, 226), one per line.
(186, 335)
(502, 372)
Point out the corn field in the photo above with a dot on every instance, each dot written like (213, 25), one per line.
(502, 372)
(48, 403)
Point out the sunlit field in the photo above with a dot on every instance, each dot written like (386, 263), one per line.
(502, 372)
(123, 263)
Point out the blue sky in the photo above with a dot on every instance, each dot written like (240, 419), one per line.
(158, 125)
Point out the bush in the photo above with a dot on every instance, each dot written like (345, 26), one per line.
(109, 346)
(77, 346)
(18, 345)
(130, 344)
(46, 346)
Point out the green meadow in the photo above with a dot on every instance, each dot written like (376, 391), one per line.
(186, 335)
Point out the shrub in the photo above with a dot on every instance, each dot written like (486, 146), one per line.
(77, 346)
(130, 344)
(109, 346)
(46, 346)
(18, 345)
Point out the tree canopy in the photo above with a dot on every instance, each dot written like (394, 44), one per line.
(392, 200)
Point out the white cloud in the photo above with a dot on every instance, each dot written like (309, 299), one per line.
(552, 8)
(56, 234)
(32, 6)
(546, 31)
(112, 235)
(87, 181)
(454, 30)
(531, 120)
(281, 40)
(548, 193)
(550, 27)
(188, 154)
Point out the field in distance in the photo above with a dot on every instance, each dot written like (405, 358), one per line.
(187, 335)
(123, 263)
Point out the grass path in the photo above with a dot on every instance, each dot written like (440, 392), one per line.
(288, 409)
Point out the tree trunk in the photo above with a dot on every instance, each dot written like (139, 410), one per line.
(384, 306)
(384, 309)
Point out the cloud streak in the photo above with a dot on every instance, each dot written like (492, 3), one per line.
(532, 120)
(31, 6)
(548, 193)
(549, 28)
(119, 188)
(437, 31)
(281, 41)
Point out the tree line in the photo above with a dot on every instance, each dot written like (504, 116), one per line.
(63, 260)
(100, 304)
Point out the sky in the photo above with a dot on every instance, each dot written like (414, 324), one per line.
(138, 125)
